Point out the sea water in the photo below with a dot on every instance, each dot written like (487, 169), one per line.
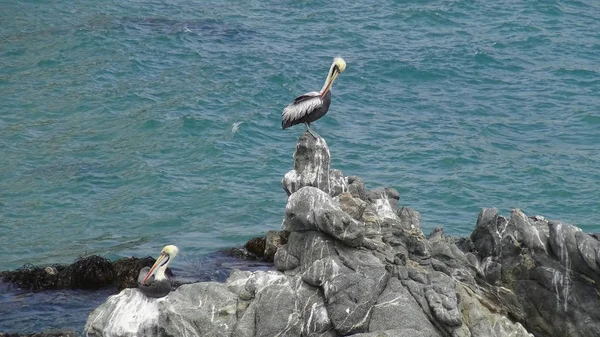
(129, 125)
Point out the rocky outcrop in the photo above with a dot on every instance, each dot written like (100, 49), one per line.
(355, 263)
(311, 168)
(543, 273)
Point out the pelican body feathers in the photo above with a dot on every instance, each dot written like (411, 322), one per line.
(311, 106)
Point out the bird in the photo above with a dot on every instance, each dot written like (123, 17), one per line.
(311, 106)
(153, 282)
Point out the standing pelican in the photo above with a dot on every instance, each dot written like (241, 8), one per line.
(313, 105)
(152, 281)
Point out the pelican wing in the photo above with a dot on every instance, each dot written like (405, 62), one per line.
(300, 107)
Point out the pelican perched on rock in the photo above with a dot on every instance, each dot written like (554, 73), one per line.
(313, 105)
(153, 282)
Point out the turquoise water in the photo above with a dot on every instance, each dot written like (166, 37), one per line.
(128, 125)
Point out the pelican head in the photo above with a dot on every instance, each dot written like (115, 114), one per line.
(337, 67)
(158, 269)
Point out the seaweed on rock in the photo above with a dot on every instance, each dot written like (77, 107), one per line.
(89, 273)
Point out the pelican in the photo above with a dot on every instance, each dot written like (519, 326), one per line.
(311, 106)
(153, 282)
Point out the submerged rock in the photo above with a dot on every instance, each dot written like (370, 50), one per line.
(357, 264)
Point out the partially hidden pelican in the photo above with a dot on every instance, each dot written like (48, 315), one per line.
(153, 282)
(311, 106)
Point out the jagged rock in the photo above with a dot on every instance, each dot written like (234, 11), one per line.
(274, 240)
(352, 206)
(397, 310)
(482, 322)
(355, 263)
(311, 165)
(409, 218)
(312, 209)
(356, 187)
(543, 272)
(338, 184)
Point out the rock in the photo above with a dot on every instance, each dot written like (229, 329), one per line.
(486, 236)
(545, 271)
(396, 309)
(201, 309)
(91, 272)
(256, 246)
(274, 240)
(312, 209)
(311, 165)
(356, 263)
(410, 218)
(352, 206)
(482, 322)
(338, 184)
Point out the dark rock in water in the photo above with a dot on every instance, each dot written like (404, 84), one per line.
(357, 264)
(264, 248)
(256, 246)
(91, 272)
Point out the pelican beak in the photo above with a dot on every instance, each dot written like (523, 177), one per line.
(338, 66)
(162, 260)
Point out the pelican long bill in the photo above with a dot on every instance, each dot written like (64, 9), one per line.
(162, 260)
(338, 66)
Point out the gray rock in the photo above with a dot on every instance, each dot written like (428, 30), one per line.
(311, 165)
(312, 209)
(353, 206)
(528, 233)
(480, 321)
(397, 310)
(274, 240)
(338, 184)
(541, 272)
(284, 260)
(487, 234)
(357, 264)
(201, 309)
(356, 188)
(410, 218)
(397, 333)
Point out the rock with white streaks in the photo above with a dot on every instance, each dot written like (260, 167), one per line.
(357, 264)
(311, 165)
(201, 309)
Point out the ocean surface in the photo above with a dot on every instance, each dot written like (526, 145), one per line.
(129, 125)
